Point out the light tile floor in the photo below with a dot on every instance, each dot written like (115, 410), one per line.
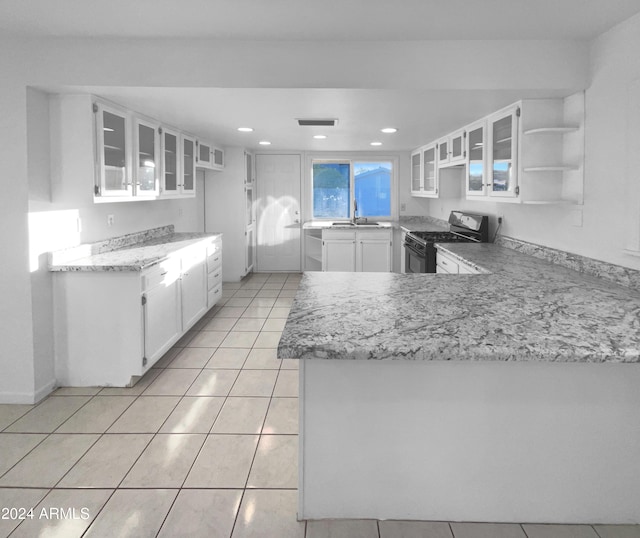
(205, 444)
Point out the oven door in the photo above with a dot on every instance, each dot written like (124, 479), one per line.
(414, 261)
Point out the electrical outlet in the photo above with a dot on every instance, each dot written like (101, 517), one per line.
(500, 219)
(403, 207)
(110, 220)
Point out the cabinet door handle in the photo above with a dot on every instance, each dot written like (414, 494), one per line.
(162, 274)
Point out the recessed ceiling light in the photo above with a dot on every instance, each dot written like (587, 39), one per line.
(376, 143)
(245, 129)
(319, 137)
(264, 143)
(389, 130)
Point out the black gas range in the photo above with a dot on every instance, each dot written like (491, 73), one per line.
(464, 227)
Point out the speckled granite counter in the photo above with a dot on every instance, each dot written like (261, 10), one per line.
(132, 252)
(525, 309)
(408, 223)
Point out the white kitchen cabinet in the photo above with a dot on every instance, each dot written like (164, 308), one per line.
(476, 173)
(249, 174)
(112, 326)
(357, 250)
(373, 251)
(338, 250)
(447, 264)
(146, 157)
(424, 180)
(161, 309)
(193, 286)
(113, 151)
(503, 152)
(170, 161)
(187, 175)
(209, 156)
(451, 149)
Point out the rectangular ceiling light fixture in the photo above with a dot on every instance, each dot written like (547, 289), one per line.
(317, 123)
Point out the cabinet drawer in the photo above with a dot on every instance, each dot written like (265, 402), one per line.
(163, 273)
(214, 278)
(214, 246)
(446, 265)
(214, 295)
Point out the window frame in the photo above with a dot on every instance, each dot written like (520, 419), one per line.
(352, 159)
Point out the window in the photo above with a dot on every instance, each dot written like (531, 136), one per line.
(336, 184)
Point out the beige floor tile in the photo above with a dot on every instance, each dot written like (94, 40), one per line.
(249, 324)
(192, 357)
(193, 414)
(559, 531)
(254, 383)
(213, 383)
(269, 514)
(263, 301)
(137, 389)
(167, 358)
(76, 391)
(231, 287)
(172, 382)
(47, 463)
(267, 340)
(239, 301)
(268, 293)
(280, 312)
(220, 324)
(14, 446)
(145, 415)
(290, 364)
(241, 415)
(202, 513)
(48, 415)
(133, 513)
(618, 531)
(244, 339)
(282, 417)
(228, 357)
(283, 301)
(80, 508)
(342, 528)
(208, 339)
(245, 292)
(165, 462)
(261, 312)
(107, 462)
(287, 384)
(289, 290)
(414, 529)
(263, 359)
(186, 338)
(274, 324)
(19, 502)
(97, 415)
(230, 312)
(273, 285)
(11, 412)
(487, 530)
(223, 462)
(276, 463)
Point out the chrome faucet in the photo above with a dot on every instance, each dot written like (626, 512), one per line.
(355, 211)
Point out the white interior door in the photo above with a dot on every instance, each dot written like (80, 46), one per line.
(279, 223)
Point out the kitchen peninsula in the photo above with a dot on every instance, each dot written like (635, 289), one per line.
(509, 395)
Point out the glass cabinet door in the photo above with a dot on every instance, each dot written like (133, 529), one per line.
(415, 172)
(204, 154)
(113, 155)
(503, 153)
(248, 178)
(429, 167)
(188, 164)
(457, 147)
(170, 161)
(476, 168)
(146, 158)
(443, 151)
(249, 198)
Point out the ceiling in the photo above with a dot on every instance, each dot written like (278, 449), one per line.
(316, 20)
(217, 112)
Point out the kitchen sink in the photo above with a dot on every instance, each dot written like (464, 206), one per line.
(358, 224)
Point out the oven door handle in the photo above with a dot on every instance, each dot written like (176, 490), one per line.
(413, 249)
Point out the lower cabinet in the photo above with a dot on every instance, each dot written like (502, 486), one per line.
(357, 250)
(112, 326)
(449, 265)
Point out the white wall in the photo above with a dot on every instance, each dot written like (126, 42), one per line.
(45, 63)
(610, 217)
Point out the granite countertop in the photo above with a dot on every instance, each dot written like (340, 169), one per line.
(407, 223)
(133, 252)
(521, 309)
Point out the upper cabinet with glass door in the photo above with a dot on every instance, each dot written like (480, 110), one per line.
(114, 177)
(503, 166)
(170, 161)
(209, 156)
(188, 170)
(146, 157)
(476, 163)
(424, 172)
